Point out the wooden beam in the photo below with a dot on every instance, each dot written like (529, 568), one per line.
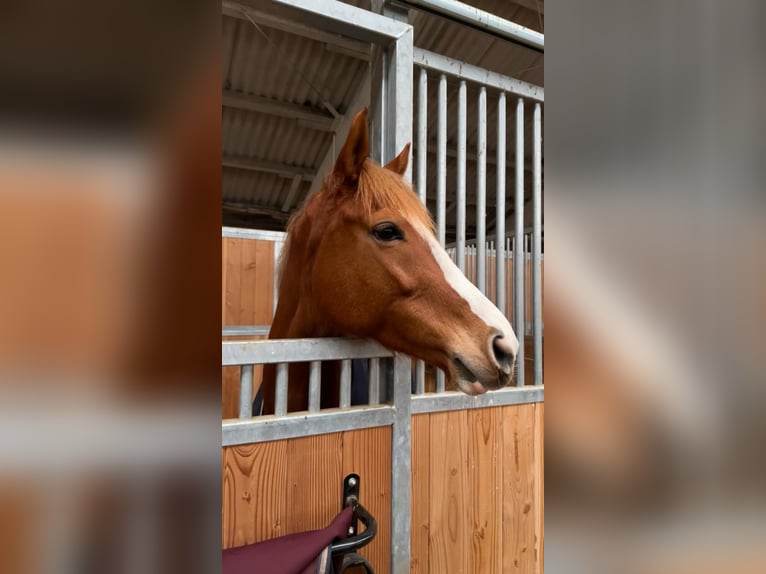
(236, 207)
(282, 169)
(309, 117)
(348, 46)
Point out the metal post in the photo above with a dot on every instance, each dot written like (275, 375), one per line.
(461, 153)
(420, 377)
(537, 286)
(315, 385)
(280, 399)
(401, 467)
(374, 383)
(246, 391)
(398, 104)
(481, 194)
(518, 250)
(345, 383)
(422, 133)
(441, 162)
(500, 202)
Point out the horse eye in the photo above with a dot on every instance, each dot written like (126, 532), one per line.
(387, 232)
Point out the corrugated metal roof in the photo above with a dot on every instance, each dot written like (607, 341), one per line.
(282, 67)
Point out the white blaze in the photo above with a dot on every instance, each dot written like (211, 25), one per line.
(479, 304)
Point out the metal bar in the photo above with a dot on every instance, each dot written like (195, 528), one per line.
(420, 377)
(352, 48)
(262, 234)
(481, 194)
(537, 218)
(244, 330)
(246, 391)
(440, 381)
(422, 133)
(341, 18)
(315, 386)
(456, 68)
(295, 185)
(318, 119)
(507, 274)
(481, 20)
(441, 162)
(518, 253)
(280, 398)
(500, 204)
(461, 150)
(345, 383)
(278, 245)
(401, 463)
(453, 401)
(374, 383)
(398, 102)
(292, 350)
(293, 425)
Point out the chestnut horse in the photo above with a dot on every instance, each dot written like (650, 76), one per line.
(361, 259)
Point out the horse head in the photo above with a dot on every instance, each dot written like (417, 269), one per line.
(362, 259)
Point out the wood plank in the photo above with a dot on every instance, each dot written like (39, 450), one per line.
(314, 476)
(518, 489)
(449, 541)
(367, 452)
(421, 493)
(485, 479)
(254, 496)
(539, 473)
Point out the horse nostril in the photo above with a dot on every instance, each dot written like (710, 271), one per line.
(503, 353)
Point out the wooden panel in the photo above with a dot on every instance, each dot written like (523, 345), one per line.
(477, 491)
(449, 538)
(247, 299)
(519, 508)
(280, 487)
(485, 479)
(421, 492)
(369, 455)
(249, 512)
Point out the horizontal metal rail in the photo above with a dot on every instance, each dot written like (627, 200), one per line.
(453, 401)
(299, 350)
(457, 69)
(245, 330)
(294, 425)
(481, 20)
(262, 234)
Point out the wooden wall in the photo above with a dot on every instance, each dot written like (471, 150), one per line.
(477, 491)
(247, 297)
(477, 480)
(280, 487)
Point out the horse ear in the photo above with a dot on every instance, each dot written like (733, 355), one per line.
(355, 151)
(399, 163)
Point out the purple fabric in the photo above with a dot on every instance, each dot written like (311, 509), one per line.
(291, 554)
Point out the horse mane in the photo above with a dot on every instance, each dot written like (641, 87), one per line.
(377, 188)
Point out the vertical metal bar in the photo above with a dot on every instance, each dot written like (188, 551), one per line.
(461, 153)
(315, 385)
(399, 101)
(245, 391)
(422, 133)
(441, 162)
(277, 251)
(500, 202)
(280, 399)
(518, 253)
(374, 388)
(481, 194)
(440, 381)
(345, 383)
(537, 221)
(507, 275)
(420, 377)
(401, 463)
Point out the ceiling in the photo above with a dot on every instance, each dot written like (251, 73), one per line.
(285, 94)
